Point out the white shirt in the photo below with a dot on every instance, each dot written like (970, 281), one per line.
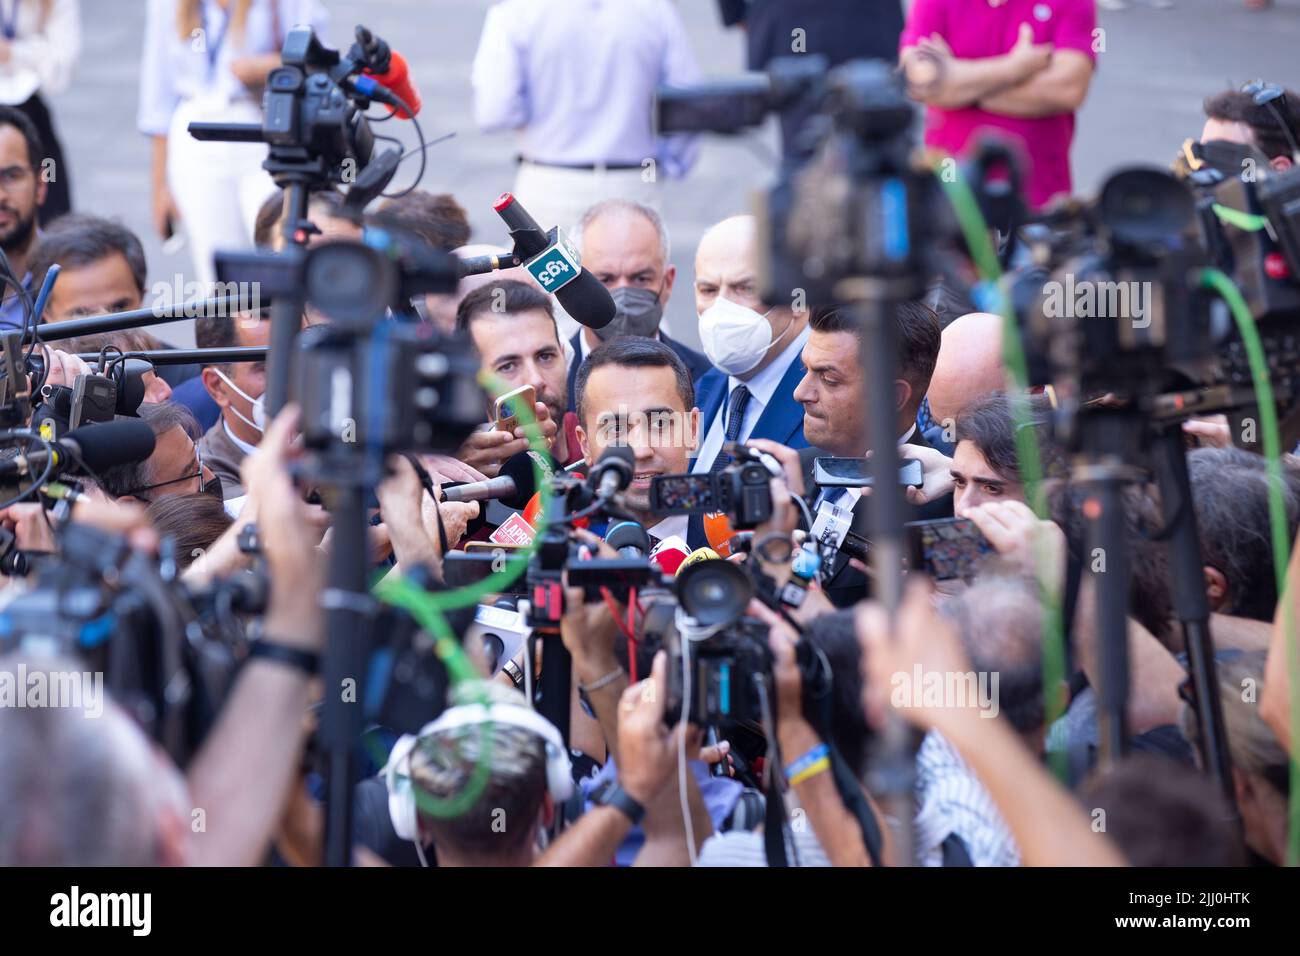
(43, 50)
(762, 387)
(239, 443)
(670, 526)
(951, 799)
(175, 69)
(577, 79)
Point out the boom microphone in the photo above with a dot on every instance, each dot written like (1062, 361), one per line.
(94, 448)
(613, 471)
(514, 485)
(581, 294)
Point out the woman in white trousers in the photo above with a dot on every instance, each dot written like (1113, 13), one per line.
(207, 61)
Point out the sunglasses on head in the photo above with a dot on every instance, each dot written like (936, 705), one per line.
(1268, 95)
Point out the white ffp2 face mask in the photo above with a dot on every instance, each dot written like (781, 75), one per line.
(734, 337)
(259, 404)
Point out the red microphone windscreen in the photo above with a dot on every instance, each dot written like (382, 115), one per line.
(669, 554)
(398, 82)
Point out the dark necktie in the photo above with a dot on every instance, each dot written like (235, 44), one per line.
(736, 404)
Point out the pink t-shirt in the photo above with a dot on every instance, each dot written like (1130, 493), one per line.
(974, 29)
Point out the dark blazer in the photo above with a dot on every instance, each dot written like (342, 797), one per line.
(696, 363)
(846, 585)
(781, 421)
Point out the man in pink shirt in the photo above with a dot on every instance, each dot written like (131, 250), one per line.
(1018, 68)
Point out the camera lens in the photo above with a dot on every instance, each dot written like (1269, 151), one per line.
(714, 592)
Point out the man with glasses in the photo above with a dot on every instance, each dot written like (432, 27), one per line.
(1263, 115)
(176, 465)
(22, 190)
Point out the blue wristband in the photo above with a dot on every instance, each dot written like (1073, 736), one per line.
(820, 752)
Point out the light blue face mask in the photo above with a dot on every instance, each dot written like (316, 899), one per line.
(259, 405)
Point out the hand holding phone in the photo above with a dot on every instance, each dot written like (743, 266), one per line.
(856, 472)
(947, 548)
(506, 410)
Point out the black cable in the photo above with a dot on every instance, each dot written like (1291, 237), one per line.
(24, 433)
(423, 155)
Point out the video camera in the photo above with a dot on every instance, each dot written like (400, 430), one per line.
(741, 489)
(168, 653)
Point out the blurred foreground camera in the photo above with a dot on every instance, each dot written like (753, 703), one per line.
(741, 490)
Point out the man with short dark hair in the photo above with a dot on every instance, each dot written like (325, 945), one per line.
(636, 392)
(237, 389)
(102, 269)
(1260, 115)
(513, 328)
(436, 218)
(986, 464)
(625, 245)
(22, 190)
(176, 466)
(834, 396)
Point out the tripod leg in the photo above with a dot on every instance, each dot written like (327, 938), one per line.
(1187, 580)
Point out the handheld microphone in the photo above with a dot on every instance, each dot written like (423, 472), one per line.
(514, 486)
(670, 554)
(718, 532)
(397, 81)
(554, 263)
(94, 447)
(629, 539)
(698, 555)
(613, 471)
(386, 68)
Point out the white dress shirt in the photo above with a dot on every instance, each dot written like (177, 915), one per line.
(175, 69)
(951, 799)
(238, 442)
(43, 50)
(577, 79)
(761, 389)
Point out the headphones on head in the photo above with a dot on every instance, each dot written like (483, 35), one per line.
(403, 808)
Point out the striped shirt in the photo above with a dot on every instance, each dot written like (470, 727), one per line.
(951, 800)
(746, 848)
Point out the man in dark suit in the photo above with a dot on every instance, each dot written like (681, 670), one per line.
(755, 352)
(625, 245)
(834, 397)
(839, 30)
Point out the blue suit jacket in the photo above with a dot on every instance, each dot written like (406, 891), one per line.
(696, 363)
(781, 421)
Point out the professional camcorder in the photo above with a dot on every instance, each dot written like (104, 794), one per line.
(741, 489)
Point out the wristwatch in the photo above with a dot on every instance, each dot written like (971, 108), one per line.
(618, 798)
(512, 670)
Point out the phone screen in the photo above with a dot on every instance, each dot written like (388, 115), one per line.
(682, 494)
(856, 472)
(947, 548)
